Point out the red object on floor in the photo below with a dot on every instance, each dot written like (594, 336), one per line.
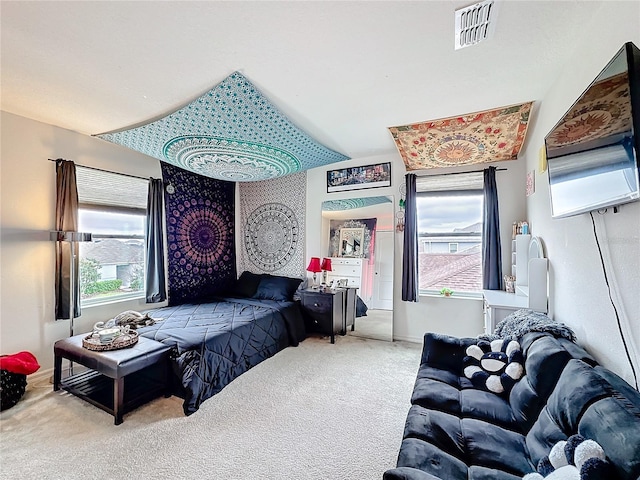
(23, 362)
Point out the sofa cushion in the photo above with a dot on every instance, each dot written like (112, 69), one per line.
(471, 441)
(447, 392)
(444, 351)
(429, 458)
(545, 359)
(438, 389)
(407, 473)
(439, 429)
(598, 405)
(487, 406)
(483, 473)
(491, 446)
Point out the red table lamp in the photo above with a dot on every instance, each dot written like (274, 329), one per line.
(314, 266)
(326, 267)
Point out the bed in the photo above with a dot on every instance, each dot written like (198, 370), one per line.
(218, 340)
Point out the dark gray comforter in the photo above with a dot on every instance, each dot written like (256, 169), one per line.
(218, 341)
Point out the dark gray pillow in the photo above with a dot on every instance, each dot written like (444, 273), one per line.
(247, 284)
(273, 287)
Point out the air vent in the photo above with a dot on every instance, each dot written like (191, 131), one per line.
(475, 23)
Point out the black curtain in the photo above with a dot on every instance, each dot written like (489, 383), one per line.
(155, 285)
(491, 250)
(66, 220)
(410, 249)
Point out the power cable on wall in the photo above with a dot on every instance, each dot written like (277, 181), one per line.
(606, 279)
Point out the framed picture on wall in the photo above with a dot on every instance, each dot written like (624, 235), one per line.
(358, 178)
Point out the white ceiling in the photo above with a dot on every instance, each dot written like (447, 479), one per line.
(342, 71)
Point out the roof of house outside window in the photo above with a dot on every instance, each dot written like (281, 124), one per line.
(110, 251)
(458, 271)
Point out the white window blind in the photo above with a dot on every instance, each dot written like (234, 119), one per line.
(98, 188)
(450, 183)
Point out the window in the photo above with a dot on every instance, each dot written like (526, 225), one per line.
(113, 208)
(450, 210)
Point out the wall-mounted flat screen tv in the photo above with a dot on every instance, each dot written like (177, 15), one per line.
(593, 152)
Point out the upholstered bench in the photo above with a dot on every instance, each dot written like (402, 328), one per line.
(118, 380)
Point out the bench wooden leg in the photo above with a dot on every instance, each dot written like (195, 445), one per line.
(57, 372)
(167, 378)
(118, 399)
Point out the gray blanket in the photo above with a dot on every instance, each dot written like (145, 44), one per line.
(525, 321)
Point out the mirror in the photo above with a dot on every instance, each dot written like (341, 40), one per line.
(358, 234)
(351, 242)
(535, 248)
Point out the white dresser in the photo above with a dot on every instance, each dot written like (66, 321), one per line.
(349, 268)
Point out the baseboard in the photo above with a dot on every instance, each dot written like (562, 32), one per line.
(408, 339)
(41, 376)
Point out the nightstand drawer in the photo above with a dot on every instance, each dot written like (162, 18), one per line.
(317, 303)
(320, 323)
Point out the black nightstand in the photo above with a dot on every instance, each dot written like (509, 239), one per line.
(323, 311)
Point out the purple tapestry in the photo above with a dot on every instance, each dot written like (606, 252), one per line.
(200, 234)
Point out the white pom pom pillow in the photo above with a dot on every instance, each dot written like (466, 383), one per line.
(495, 366)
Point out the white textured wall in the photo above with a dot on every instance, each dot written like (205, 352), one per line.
(578, 293)
(27, 214)
(453, 316)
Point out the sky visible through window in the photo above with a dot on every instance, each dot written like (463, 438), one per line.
(110, 223)
(444, 214)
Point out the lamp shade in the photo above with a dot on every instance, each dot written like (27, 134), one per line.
(326, 264)
(314, 265)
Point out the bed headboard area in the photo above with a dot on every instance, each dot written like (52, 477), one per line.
(273, 225)
(200, 223)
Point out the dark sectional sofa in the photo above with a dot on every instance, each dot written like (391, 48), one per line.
(455, 431)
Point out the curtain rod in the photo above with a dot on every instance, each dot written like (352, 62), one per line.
(456, 173)
(102, 170)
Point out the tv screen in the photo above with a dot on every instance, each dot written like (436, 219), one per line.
(593, 151)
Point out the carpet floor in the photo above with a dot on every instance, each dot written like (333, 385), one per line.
(316, 411)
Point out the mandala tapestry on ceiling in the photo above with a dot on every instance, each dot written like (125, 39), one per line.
(603, 111)
(200, 234)
(352, 203)
(273, 224)
(489, 136)
(232, 132)
(369, 225)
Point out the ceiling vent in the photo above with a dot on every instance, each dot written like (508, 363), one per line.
(475, 23)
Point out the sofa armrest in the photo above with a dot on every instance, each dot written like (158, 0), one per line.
(408, 473)
(444, 351)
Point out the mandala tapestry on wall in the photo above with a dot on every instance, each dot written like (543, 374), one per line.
(271, 236)
(273, 216)
(200, 234)
(489, 136)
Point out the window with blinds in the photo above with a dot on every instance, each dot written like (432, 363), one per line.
(112, 207)
(450, 211)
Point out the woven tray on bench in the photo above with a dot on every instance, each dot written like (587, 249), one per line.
(122, 341)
